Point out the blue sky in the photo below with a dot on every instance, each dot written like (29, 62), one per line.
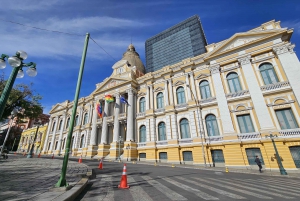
(112, 24)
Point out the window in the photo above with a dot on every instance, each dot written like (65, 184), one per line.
(142, 104)
(180, 95)
(187, 156)
(160, 100)
(142, 155)
(212, 125)
(143, 134)
(184, 129)
(68, 123)
(76, 120)
(163, 155)
(204, 89)
(233, 82)
(217, 156)
(81, 141)
(162, 131)
(286, 119)
(295, 151)
(63, 145)
(251, 155)
(85, 119)
(53, 126)
(60, 124)
(268, 73)
(245, 123)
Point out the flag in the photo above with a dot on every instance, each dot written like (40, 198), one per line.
(123, 100)
(99, 109)
(109, 98)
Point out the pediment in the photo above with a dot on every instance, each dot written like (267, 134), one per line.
(241, 39)
(201, 76)
(141, 94)
(158, 89)
(56, 108)
(178, 83)
(111, 83)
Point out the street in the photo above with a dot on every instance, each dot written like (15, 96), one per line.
(149, 182)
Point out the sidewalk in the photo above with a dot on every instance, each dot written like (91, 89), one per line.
(34, 179)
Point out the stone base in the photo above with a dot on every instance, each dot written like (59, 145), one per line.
(103, 150)
(114, 151)
(130, 151)
(91, 151)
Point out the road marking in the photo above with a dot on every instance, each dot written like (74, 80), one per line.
(106, 189)
(137, 192)
(213, 189)
(292, 184)
(165, 190)
(190, 189)
(235, 189)
(253, 189)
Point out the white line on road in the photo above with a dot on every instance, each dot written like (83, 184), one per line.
(137, 192)
(235, 196)
(190, 189)
(165, 190)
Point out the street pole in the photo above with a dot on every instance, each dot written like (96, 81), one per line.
(32, 146)
(13, 144)
(13, 113)
(281, 168)
(200, 127)
(62, 180)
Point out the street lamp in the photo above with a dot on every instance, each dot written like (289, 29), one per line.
(281, 168)
(127, 148)
(200, 127)
(120, 140)
(17, 63)
(39, 123)
(13, 114)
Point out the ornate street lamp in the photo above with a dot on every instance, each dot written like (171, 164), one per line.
(39, 123)
(281, 168)
(13, 114)
(200, 126)
(17, 63)
(120, 140)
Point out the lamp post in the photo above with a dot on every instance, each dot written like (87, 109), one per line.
(200, 126)
(127, 148)
(13, 114)
(281, 168)
(35, 135)
(17, 63)
(120, 140)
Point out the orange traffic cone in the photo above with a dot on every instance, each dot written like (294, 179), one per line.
(80, 159)
(39, 155)
(123, 182)
(100, 165)
(52, 156)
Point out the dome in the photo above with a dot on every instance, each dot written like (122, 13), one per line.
(133, 58)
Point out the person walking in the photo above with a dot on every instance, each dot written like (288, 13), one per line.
(258, 162)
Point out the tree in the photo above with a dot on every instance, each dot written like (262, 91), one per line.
(23, 98)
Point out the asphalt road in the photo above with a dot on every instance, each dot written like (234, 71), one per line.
(149, 182)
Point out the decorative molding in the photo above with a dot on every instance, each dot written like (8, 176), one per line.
(201, 76)
(215, 68)
(158, 89)
(235, 110)
(245, 60)
(284, 49)
(262, 59)
(178, 83)
(141, 94)
(281, 104)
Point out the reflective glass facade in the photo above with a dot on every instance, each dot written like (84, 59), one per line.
(179, 42)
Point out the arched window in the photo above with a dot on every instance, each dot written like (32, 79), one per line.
(53, 126)
(160, 100)
(212, 125)
(76, 120)
(143, 134)
(60, 125)
(180, 95)
(162, 131)
(68, 123)
(142, 104)
(233, 82)
(81, 141)
(204, 89)
(268, 73)
(184, 129)
(85, 119)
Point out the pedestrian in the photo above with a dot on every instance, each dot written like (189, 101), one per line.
(258, 162)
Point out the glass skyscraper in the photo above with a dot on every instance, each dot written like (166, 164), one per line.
(179, 42)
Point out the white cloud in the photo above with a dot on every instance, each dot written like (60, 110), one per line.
(294, 24)
(29, 5)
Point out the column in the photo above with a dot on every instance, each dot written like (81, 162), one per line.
(258, 100)
(174, 126)
(129, 130)
(91, 112)
(188, 92)
(151, 97)
(104, 124)
(47, 136)
(80, 116)
(193, 86)
(93, 140)
(222, 101)
(168, 127)
(147, 99)
(192, 123)
(53, 134)
(166, 94)
(61, 130)
(153, 129)
(116, 120)
(171, 92)
(290, 65)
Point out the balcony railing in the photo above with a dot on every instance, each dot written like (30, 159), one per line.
(208, 100)
(184, 141)
(141, 144)
(214, 139)
(277, 85)
(165, 142)
(249, 136)
(289, 132)
(182, 105)
(141, 114)
(237, 94)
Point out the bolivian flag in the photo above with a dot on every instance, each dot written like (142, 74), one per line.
(109, 98)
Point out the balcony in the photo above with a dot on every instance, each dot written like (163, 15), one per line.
(185, 141)
(290, 133)
(182, 105)
(237, 94)
(208, 100)
(212, 139)
(164, 142)
(141, 114)
(249, 136)
(275, 86)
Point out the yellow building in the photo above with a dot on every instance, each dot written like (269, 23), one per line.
(27, 138)
(218, 108)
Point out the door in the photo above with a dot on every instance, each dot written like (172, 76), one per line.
(295, 151)
(251, 155)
